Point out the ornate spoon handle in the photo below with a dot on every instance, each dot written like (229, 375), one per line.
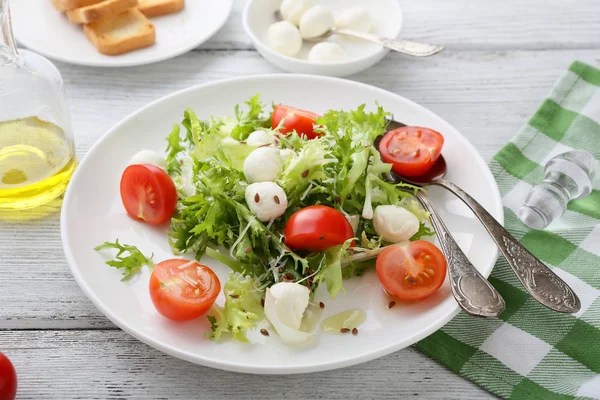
(539, 280)
(402, 46)
(471, 290)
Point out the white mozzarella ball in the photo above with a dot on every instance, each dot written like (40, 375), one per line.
(291, 299)
(356, 19)
(258, 138)
(327, 52)
(149, 157)
(395, 224)
(263, 165)
(266, 200)
(316, 21)
(284, 308)
(293, 10)
(284, 38)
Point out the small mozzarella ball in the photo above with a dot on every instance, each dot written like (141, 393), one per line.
(284, 308)
(293, 10)
(149, 157)
(285, 154)
(316, 21)
(258, 138)
(284, 38)
(356, 19)
(266, 200)
(263, 165)
(291, 300)
(395, 224)
(327, 52)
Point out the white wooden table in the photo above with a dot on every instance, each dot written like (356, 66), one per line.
(501, 59)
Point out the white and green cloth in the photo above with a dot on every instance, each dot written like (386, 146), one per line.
(532, 352)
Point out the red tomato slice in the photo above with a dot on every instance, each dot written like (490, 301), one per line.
(317, 228)
(148, 193)
(297, 120)
(411, 272)
(183, 290)
(411, 149)
(8, 379)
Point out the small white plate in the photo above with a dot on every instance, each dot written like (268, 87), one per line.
(387, 21)
(41, 28)
(92, 213)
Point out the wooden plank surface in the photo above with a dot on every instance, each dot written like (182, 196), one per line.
(97, 364)
(502, 58)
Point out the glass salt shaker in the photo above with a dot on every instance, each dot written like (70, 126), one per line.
(568, 176)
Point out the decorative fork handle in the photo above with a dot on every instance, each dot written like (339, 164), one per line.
(539, 280)
(403, 46)
(471, 290)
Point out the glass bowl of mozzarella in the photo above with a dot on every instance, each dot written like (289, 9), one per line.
(282, 32)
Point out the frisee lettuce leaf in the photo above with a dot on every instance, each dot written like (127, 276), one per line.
(130, 263)
(331, 273)
(304, 167)
(423, 231)
(249, 121)
(174, 147)
(242, 310)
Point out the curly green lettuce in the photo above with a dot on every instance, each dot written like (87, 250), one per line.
(242, 311)
(129, 258)
(340, 168)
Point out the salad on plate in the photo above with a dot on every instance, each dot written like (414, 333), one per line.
(289, 200)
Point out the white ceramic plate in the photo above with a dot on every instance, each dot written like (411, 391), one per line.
(93, 213)
(49, 32)
(387, 21)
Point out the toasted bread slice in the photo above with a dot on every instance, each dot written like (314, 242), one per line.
(123, 33)
(66, 5)
(155, 8)
(107, 8)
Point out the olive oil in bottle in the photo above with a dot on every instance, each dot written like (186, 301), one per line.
(36, 162)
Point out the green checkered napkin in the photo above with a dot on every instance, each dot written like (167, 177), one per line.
(532, 352)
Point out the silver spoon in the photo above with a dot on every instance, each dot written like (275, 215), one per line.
(472, 291)
(402, 46)
(539, 280)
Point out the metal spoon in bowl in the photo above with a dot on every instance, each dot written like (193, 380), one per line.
(539, 280)
(402, 46)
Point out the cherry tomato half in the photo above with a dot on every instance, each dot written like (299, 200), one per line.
(8, 379)
(317, 228)
(411, 149)
(148, 193)
(297, 120)
(183, 290)
(411, 272)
